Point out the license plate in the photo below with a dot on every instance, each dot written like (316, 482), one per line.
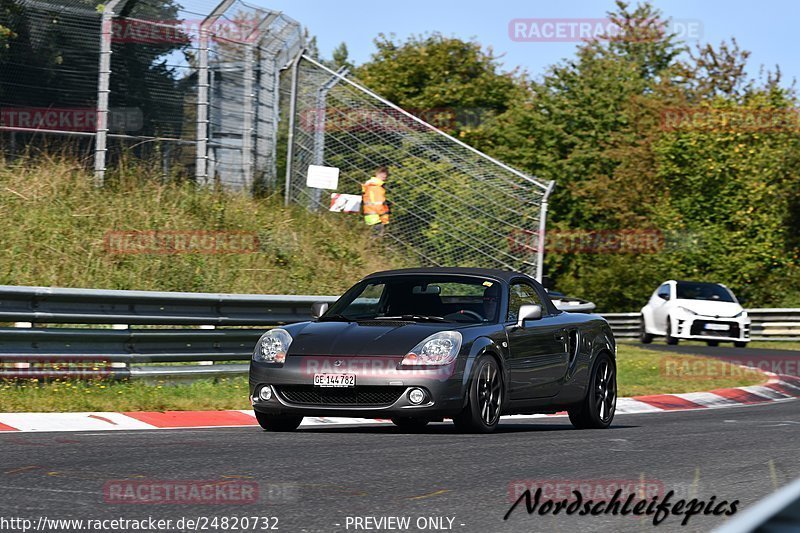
(334, 380)
(718, 327)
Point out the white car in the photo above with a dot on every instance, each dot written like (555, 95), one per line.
(697, 311)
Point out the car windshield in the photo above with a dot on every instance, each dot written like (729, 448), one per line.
(420, 299)
(703, 291)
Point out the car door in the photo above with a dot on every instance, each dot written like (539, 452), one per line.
(659, 303)
(537, 352)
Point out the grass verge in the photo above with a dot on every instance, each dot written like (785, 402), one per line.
(140, 232)
(640, 372)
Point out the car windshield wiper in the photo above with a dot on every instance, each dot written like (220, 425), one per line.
(418, 318)
(334, 318)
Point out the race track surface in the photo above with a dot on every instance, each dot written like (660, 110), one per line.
(314, 479)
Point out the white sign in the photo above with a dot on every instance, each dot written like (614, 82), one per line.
(322, 177)
(345, 203)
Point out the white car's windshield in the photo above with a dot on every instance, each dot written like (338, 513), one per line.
(703, 291)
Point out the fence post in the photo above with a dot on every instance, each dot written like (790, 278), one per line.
(103, 81)
(263, 132)
(292, 110)
(319, 126)
(255, 36)
(247, 119)
(542, 229)
(201, 144)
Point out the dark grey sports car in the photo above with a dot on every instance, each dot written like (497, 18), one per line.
(419, 345)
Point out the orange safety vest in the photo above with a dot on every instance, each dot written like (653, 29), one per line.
(374, 202)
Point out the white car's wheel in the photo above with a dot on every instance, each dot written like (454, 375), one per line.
(644, 337)
(672, 341)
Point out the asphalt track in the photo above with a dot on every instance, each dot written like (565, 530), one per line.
(313, 480)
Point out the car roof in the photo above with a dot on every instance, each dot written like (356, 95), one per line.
(502, 275)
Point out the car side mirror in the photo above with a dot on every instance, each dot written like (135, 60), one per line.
(664, 296)
(528, 312)
(318, 309)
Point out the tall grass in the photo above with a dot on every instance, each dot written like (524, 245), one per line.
(54, 222)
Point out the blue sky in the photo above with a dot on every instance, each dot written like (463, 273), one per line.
(767, 28)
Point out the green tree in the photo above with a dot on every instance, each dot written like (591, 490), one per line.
(434, 73)
(341, 57)
(724, 198)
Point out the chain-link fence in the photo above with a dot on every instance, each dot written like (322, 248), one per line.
(203, 93)
(193, 91)
(48, 75)
(450, 204)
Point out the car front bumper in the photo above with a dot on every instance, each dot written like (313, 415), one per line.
(705, 328)
(381, 389)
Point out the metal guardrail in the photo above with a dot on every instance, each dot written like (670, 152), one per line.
(95, 306)
(44, 352)
(767, 324)
(120, 353)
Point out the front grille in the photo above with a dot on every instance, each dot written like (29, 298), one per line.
(375, 396)
(698, 328)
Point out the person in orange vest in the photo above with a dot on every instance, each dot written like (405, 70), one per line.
(376, 210)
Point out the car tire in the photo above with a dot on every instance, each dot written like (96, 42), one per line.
(740, 344)
(278, 423)
(712, 343)
(408, 423)
(644, 337)
(597, 409)
(485, 396)
(672, 341)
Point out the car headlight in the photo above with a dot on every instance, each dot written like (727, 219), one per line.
(742, 314)
(687, 310)
(439, 349)
(272, 346)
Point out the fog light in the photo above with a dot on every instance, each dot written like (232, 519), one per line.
(416, 396)
(265, 394)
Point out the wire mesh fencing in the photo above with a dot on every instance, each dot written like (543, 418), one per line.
(248, 47)
(450, 204)
(206, 94)
(48, 75)
(192, 91)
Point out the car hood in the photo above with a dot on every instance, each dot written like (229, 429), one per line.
(362, 339)
(711, 308)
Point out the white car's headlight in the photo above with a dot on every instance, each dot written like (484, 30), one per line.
(687, 310)
(742, 314)
(272, 346)
(439, 349)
